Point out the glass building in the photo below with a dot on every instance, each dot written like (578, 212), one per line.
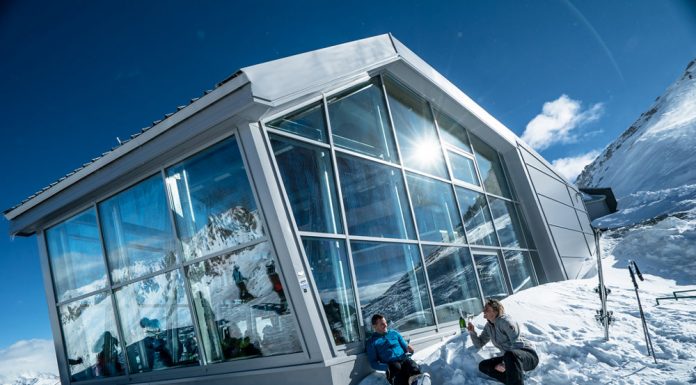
(250, 236)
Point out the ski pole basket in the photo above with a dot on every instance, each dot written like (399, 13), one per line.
(675, 296)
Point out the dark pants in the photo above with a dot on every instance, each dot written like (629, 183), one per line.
(516, 363)
(400, 371)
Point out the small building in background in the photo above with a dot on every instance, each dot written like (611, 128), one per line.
(249, 236)
(599, 201)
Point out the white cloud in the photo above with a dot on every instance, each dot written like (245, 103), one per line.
(27, 358)
(557, 121)
(571, 167)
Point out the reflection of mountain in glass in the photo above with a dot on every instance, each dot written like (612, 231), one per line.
(233, 227)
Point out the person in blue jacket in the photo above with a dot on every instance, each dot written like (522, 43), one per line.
(387, 350)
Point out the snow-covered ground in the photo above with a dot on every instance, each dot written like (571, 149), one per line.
(559, 319)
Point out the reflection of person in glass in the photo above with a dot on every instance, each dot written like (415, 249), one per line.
(158, 356)
(108, 357)
(275, 281)
(240, 281)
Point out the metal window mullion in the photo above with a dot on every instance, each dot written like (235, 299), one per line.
(110, 289)
(344, 221)
(409, 202)
(179, 265)
(223, 252)
(430, 176)
(363, 156)
(293, 223)
(296, 137)
(362, 238)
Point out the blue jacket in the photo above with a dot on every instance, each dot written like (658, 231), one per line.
(385, 348)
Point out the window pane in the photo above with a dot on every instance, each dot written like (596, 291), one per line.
(520, 268)
(309, 182)
(452, 132)
(359, 122)
(330, 270)
(75, 251)
(507, 223)
(436, 211)
(490, 168)
(374, 198)
(463, 168)
(157, 323)
(391, 282)
(452, 282)
(241, 306)
(91, 341)
(212, 201)
(415, 131)
(477, 218)
(490, 276)
(137, 230)
(309, 123)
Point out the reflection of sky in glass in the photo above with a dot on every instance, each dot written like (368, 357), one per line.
(75, 252)
(359, 122)
(452, 132)
(490, 169)
(137, 230)
(374, 197)
(309, 183)
(415, 131)
(435, 209)
(506, 223)
(309, 123)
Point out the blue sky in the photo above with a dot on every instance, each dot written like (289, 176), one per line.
(76, 75)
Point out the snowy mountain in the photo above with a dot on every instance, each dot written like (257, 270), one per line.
(36, 379)
(657, 151)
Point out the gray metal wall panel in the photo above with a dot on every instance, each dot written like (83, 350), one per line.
(570, 243)
(549, 186)
(576, 267)
(584, 221)
(536, 163)
(559, 214)
(576, 197)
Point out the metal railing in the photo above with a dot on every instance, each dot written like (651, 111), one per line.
(677, 297)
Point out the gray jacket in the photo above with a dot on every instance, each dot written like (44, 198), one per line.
(504, 334)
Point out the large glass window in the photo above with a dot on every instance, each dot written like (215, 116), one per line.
(75, 252)
(156, 320)
(309, 183)
(137, 230)
(490, 168)
(507, 223)
(374, 198)
(452, 282)
(391, 282)
(463, 168)
(330, 271)
(436, 211)
(415, 131)
(212, 201)
(490, 275)
(477, 218)
(91, 341)
(520, 268)
(309, 123)
(359, 122)
(241, 306)
(452, 132)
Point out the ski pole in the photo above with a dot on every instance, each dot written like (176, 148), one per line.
(648, 341)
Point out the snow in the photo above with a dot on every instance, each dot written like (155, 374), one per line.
(559, 320)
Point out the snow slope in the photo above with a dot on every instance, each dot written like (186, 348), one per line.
(650, 155)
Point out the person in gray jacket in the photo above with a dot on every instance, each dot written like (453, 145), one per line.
(518, 354)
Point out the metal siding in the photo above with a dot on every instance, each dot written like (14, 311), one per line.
(570, 243)
(559, 214)
(550, 187)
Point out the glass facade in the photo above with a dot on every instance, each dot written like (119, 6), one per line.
(192, 277)
(426, 235)
(178, 269)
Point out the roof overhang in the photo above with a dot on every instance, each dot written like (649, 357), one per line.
(249, 95)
